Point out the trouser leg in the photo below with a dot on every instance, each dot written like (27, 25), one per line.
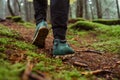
(40, 7)
(59, 17)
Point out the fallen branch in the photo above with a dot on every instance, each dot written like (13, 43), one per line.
(27, 71)
(80, 64)
(91, 51)
(97, 72)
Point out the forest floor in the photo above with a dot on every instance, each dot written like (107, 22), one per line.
(92, 64)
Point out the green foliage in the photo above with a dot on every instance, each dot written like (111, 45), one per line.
(4, 40)
(110, 31)
(46, 64)
(7, 32)
(108, 46)
(108, 39)
(44, 67)
(85, 25)
(2, 48)
(20, 44)
(54, 67)
(107, 22)
(24, 45)
(10, 71)
(69, 75)
(28, 25)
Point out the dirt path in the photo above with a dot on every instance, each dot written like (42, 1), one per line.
(106, 64)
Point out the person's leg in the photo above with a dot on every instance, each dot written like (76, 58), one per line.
(40, 7)
(59, 17)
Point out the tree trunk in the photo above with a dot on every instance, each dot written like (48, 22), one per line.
(26, 10)
(92, 14)
(10, 8)
(118, 11)
(79, 8)
(99, 10)
(86, 9)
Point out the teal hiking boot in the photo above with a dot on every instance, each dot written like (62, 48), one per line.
(40, 34)
(60, 47)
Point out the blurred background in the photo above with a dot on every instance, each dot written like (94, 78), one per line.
(88, 9)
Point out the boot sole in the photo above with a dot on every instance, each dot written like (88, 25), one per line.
(40, 37)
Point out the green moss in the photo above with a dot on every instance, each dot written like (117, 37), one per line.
(74, 20)
(5, 31)
(107, 22)
(17, 19)
(23, 45)
(20, 44)
(28, 24)
(69, 75)
(108, 39)
(5, 41)
(2, 48)
(42, 66)
(9, 17)
(108, 46)
(85, 25)
(10, 71)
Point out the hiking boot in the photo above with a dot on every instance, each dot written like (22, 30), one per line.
(40, 34)
(60, 47)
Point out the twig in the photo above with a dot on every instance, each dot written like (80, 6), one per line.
(28, 70)
(91, 51)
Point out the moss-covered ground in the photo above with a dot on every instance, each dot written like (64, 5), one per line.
(96, 48)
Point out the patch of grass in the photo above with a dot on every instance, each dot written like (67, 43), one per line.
(108, 39)
(111, 31)
(42, 66)
(20, 44)
(23, 45)
(2, 48)
(7, 32)
(5, 41)
(10, 71)
(28, 24)
(2, 55)
(108, 46)
(55, 67)
(69, 75)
